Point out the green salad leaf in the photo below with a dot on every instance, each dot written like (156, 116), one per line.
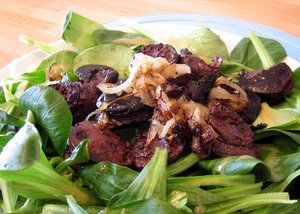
(113, 55)
(52, 113)
(78, 30)
(57, 64)
(106, 36)
(203, 42)
(245, 53)
(107, 179)
(282, 157)
(237, 165)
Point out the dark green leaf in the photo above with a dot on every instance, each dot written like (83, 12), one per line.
(4, 139)
(78, 30)
(107, 179)
(116, 56)
(105, 36)
(245, 53)
(79, 155)
(52, 113)
(237, 165)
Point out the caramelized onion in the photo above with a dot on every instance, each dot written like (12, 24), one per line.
(225, 91)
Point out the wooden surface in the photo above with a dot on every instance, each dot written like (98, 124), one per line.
(42, 19)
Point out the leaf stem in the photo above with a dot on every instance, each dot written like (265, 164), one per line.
(35, 43)
(265, 57)
(182, 164)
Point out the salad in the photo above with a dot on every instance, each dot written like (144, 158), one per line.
(135, 122)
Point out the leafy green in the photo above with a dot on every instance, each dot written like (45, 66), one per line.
(52, 113)
(245, 53)
(212, 180)
(150, 183)
(282, 157)
(182, 164)
(237, 165)
(296, 78)
(231, 68)
(203, 43)
(230, 206)
(4, 140)
(107, 179)
(281, 186)
(8, 195)
(74, 207)
(25, 135)
(116, 56)
(262, 52)
(78, 30)
(279, 208)
(179, 200)
(57, 64)
(144, 206)
(277, 117)
(106, 36)
(79, 155)
(34, 77)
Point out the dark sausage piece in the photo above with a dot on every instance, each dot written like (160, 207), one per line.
(81, 98)
(94, 74)
(161, 50)
(104, 145)
(171, 89)
(224, 149)
(250, 113)
(178, 145)
(201, 91)
(271, 84)
(235, 134)
(199, 67)
(230, 125)
(175, 87)
(125, 110)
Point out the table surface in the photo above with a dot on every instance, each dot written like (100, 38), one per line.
(42, 19)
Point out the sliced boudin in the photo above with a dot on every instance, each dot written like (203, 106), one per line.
(199, 67)
(161, 50)
(271, 84)
(104, 145)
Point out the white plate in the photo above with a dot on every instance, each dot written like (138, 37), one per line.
(230, 30)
